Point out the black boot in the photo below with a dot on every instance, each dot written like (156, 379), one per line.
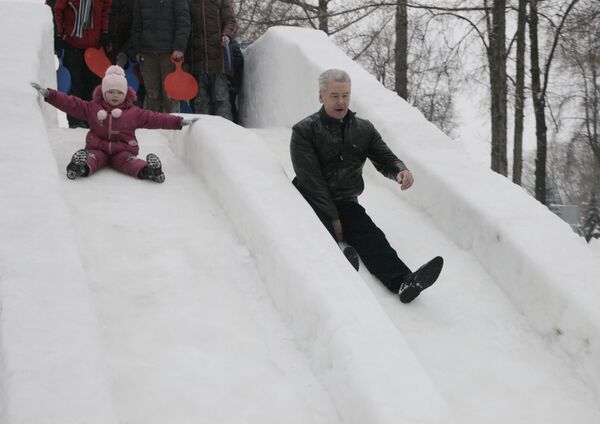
(153, 169)
(78, 166)
(419, 280)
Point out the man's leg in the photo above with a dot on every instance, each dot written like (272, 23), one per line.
(221, 99)
(348, 251)
(152, 82)
(324, 219)
(202, 100)
(74, 62)
(166, 66)
(372, 246)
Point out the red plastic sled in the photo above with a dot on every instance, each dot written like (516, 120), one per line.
(96, 60)
(180, 85)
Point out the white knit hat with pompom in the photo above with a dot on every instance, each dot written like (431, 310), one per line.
(114, 79)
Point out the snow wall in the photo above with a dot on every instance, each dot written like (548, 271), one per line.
(513, 236)
(51, 368)
(353, 348)
(51, 364)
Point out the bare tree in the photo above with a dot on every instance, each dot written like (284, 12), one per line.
(539, 87)
(498, 90)
(519, 93)
(401, 49)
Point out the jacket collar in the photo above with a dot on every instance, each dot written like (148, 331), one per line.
(330, 122)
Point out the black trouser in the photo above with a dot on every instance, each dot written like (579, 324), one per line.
(83, 81)
(369, 241)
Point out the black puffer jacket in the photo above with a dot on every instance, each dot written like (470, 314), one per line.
(329, 155)
(160, 26)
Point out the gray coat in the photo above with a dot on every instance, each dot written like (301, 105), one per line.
(160, 26)
(328, 157)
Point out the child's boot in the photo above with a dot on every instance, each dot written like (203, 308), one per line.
(153, 169)
(78, 166)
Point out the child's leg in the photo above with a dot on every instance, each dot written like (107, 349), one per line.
(127, 163)
(96, 159)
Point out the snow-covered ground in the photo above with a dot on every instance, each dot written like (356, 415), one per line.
(216, 297)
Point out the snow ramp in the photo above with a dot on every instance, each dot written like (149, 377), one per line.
(214, 297)
(511, 331)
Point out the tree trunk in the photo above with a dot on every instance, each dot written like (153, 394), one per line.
(401, 49)
(323, 16)
(497, 63)
(519, 94)
(539, 106)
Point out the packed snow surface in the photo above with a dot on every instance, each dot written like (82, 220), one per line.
(217, 297)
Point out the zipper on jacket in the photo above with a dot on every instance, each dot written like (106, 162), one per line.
(109, 133)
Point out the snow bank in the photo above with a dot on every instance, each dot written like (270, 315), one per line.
(595, 246)
(45, 302)
(352, 345)
(547, 271)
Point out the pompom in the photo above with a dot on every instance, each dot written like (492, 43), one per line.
(116, 113)
(102, 115)
(115, 70)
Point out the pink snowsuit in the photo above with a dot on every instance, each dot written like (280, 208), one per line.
(111, 139)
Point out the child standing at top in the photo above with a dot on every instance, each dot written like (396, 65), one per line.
(113, 119)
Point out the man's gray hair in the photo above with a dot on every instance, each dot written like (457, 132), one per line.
(330, 75)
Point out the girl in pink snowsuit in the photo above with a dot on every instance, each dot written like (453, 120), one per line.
(113, 119)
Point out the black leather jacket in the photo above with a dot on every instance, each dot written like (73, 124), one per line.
(328, 157)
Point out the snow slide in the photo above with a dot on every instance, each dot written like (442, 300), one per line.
(125, 301)
(511, 331)
(217, 297)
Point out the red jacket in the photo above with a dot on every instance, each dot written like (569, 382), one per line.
(110, 130)
(65, 12)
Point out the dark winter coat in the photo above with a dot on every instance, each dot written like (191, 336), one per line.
(328, 157)
(111, 131)
(160, 26)
(211, 20)
(120, 21)
(65, 12)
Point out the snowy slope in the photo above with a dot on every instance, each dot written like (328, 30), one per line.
(217, 297)
(182, 308)
(518, 282)
(478, 349)
(134, 278)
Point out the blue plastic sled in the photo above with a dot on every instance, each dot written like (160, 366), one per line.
(132, 79)
(228, 57)
(63, 76)
(184, 106)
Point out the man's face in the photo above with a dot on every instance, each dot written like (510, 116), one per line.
(336, 99)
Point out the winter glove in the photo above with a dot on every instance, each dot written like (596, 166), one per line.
(105, 41)
(43, 91)
(186, 122)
